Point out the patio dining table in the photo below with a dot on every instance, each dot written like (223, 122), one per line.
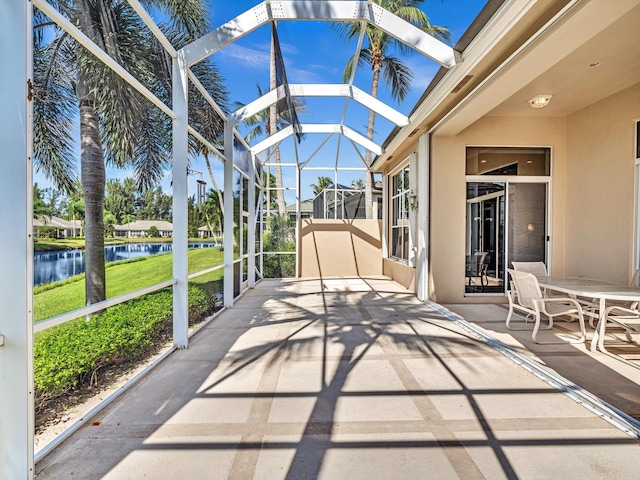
(599, 290)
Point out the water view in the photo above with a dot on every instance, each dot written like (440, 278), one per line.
(61, 264)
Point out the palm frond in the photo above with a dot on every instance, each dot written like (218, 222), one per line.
(398, 76)
(54, 111)
(188, 16)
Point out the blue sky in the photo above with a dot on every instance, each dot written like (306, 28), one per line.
(314, 53)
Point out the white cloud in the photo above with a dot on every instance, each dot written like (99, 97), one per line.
(244, 56)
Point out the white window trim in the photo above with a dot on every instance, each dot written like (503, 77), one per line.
(392, 195)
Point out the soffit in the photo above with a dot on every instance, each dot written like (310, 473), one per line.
(575, 83)
(536, 18)
(521, 30)
(558, 63)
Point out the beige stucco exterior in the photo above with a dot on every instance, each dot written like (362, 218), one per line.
(586, 56)
(340, 248)
(591, 194)
(448, 193)
(600, 187)
(400, 272)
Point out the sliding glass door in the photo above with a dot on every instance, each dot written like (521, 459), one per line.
(506, 213)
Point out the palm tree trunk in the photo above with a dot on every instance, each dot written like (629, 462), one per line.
(273, 128)
(93, 176)
(368, 181)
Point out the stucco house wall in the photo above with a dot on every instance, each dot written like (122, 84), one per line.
(448, 195)
(600, 187)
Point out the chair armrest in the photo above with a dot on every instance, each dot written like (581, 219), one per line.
(623, 310)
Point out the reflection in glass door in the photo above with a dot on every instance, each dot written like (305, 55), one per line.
(485, 237)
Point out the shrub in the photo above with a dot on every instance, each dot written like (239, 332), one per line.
(279, 238)
(71, 355)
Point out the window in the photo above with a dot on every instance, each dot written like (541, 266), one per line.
(400, 214)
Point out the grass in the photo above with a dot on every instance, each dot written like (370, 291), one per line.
(123, 277)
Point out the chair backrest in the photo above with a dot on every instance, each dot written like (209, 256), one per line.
(480, 256)
(527, 287)
(537, 268)
(635, 281)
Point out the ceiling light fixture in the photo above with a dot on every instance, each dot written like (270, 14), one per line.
(541, 100)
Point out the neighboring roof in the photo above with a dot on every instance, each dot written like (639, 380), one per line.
(305, 206)
(56, 222)
(146, 225)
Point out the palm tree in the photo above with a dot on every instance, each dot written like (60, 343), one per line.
(117, 125)
(376, 54)
(323, 184)
(358, 184)
(212, 210)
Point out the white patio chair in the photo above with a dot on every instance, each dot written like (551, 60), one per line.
(529, 299)
(537, 268)
(626, 318)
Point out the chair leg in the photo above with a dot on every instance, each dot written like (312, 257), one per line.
(536, 327)
(583, 330)
(510, 297)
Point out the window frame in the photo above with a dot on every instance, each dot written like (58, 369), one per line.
(399, 221)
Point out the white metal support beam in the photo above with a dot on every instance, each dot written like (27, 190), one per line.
(320, 90)
(180, 196)
(318, 128)
(251, 226)
(16, 244)
(298, 222)
(422, 224)
(332, 10)
(227, 240)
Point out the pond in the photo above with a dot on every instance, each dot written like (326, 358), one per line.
(53, 266)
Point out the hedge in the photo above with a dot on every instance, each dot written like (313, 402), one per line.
(71, 354)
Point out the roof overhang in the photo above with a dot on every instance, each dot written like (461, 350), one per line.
(555, 59)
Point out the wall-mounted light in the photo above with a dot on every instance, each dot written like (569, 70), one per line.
(541, 100)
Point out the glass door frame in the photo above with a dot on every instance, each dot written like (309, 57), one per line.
(506, 180)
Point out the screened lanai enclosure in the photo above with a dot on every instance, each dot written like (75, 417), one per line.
(247, 190)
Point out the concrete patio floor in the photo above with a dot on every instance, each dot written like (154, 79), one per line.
(350, 378)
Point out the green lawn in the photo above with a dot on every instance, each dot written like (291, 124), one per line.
(123, 277)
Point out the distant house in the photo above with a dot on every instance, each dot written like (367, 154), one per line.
(56, 227)
(140, 228)
(306, 209)
(205, 232)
